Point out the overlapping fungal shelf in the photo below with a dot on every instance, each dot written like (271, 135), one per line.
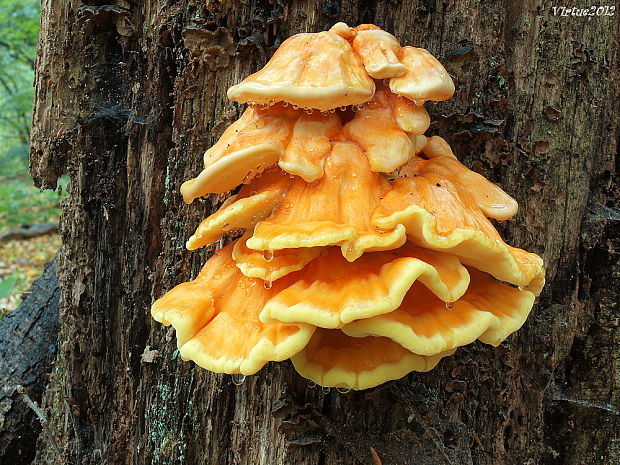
(366, 249)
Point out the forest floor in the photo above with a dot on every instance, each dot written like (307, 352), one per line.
(22, 260)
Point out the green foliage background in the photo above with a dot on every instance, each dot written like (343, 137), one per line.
(19, 26)
(20, 201)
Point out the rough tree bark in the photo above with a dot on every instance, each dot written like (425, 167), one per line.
(28, 336)
(129, 95)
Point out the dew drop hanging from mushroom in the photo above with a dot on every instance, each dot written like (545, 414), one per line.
(367, 250)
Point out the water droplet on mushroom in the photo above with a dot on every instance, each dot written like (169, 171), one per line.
(343, 389)
(295, 107)
(267, 284)
(333, 110)
(354, 175)
(253, 193)
(418, 102)
(325, 113)
(267, 255)
(325, 390)
(522, 288)
(343, 108)
(308, 111)
(311, 384)
(449, 305)
(285, 104)
(238, 379)
(225, 226)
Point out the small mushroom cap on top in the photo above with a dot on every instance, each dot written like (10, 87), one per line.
(310, 70)
(379, 52)
(425, 79)
(250, 145)
(366, 27)
(423, 324)
(334, 359)
(218, 333)
(344, 31)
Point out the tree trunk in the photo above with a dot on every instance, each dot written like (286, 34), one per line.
(129, 96)
(29, 335)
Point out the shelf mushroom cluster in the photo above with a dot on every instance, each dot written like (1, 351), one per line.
(365, 248)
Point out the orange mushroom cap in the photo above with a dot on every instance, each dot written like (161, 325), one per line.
(440, 216)
(366, 27)
(425, 79)
(411, 118)
(330, 291)
(270, 266)
(312, 70)
(490, 198)
(375, 130)
(344, 31)
(489, 311)
(437, 146)
(218, 333)
(383, 130)
(310, 144)
(334, 359)
(335, 210)
(378, 50)
(250, 145)
(253, 203)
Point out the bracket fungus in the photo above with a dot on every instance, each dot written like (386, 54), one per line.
(367, 249)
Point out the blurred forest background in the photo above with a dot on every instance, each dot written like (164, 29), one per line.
(21, 204)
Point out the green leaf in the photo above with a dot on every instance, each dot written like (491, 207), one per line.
(7, 285)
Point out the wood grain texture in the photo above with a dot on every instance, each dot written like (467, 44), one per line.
(29, 336)
(129, 96)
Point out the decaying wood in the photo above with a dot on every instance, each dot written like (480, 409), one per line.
(28, 348)
(128, 97)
